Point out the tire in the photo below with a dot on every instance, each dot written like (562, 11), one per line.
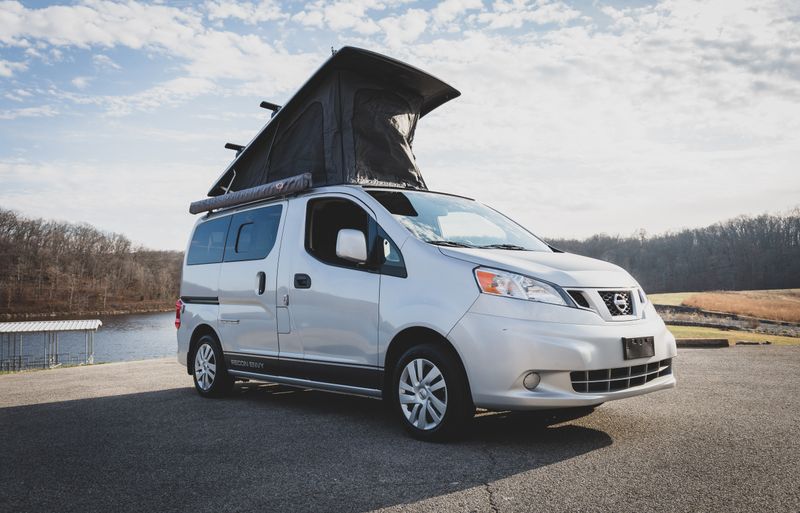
(436, 405)
(210, 377)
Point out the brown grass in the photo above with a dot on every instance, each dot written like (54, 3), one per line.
(781, 305)
(732, 335)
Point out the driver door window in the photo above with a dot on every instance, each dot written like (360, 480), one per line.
(324, 218)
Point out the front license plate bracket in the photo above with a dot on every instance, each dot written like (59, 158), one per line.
(638, 347)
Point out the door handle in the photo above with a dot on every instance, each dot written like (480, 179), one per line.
(261, 282)
(302, 281)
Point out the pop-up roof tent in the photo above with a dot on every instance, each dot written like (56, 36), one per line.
(353, 121)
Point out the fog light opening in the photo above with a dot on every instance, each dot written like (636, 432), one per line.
(531, 380)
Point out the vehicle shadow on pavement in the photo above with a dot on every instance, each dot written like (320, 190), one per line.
(266, 448)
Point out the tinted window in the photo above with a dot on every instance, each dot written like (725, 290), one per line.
(253, 233)
(245, 238)
(208, 242)
(389, 255)
(324, 218)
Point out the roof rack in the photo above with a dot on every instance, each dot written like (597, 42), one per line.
(270, 106)
(235, 147)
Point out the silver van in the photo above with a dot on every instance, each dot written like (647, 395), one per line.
(433, 302)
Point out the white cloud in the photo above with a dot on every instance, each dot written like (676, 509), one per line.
(687, 98)
(514, 13)
(686, 112)
(447, 11)
(342, 15)
(28, 112)
(207, 56)
(18, 95)
(8, 68)
(113, 196)
(99, 23)
(81, 82)
(104, 62)
(405, 28)
(170, 93)
(249, 12)
(311, 18)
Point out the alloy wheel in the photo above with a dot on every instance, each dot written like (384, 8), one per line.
(423, 394)
(205, 367)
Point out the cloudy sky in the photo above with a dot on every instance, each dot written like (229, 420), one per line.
(575, 118)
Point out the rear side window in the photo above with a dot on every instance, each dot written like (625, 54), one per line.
(252, 234)
(208, 242)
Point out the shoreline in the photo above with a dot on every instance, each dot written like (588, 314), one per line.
(54, 316)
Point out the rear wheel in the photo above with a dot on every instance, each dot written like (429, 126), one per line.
(430, 393)
(211, 379)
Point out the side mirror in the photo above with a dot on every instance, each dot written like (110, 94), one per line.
(351, 245)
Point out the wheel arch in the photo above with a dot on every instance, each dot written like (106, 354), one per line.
(410, 337)
(199, 332)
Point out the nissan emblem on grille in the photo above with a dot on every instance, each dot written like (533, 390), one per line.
(621, 302)
(618, 302)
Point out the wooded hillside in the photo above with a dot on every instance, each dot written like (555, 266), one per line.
(49, 267)
(744, 253)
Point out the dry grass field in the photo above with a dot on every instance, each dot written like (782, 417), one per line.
(732, 335)
(781, 305)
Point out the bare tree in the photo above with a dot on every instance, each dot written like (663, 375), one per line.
(48, 266)
(761, 252)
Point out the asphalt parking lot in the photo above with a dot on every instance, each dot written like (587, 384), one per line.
(136, 437)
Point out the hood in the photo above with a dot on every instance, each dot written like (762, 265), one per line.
(563, 269)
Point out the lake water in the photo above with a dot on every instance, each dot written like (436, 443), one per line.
(120, 338)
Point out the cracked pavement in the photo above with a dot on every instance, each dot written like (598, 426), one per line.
(136, 437)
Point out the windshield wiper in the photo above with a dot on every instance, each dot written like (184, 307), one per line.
(504, 246)
(450, 244)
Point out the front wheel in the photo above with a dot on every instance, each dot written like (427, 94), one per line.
(431, 394)
(210, 377)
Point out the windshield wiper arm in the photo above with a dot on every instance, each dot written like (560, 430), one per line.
(450, 244)
(504, 246)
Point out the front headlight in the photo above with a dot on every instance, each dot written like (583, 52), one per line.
(503, 283)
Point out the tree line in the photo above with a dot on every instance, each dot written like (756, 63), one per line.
(745, 253)
(58, 267)
(65, 268)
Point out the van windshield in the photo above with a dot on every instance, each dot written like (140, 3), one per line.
(457, 222)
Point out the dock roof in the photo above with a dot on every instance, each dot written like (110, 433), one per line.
(50, 326)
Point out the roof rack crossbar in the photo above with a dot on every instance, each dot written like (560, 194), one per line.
(270, 106)
(238, 148)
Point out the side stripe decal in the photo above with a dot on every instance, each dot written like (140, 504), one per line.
(355, 375)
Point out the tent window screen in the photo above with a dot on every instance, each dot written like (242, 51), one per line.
(300, 148)
(383, 130)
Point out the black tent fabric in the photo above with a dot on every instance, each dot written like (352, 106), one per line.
(353, 121)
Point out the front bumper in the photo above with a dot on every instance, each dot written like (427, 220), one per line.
(499, 351)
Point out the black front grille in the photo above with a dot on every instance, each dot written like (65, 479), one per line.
(579, 298)
(618, 302)
(621, 378)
